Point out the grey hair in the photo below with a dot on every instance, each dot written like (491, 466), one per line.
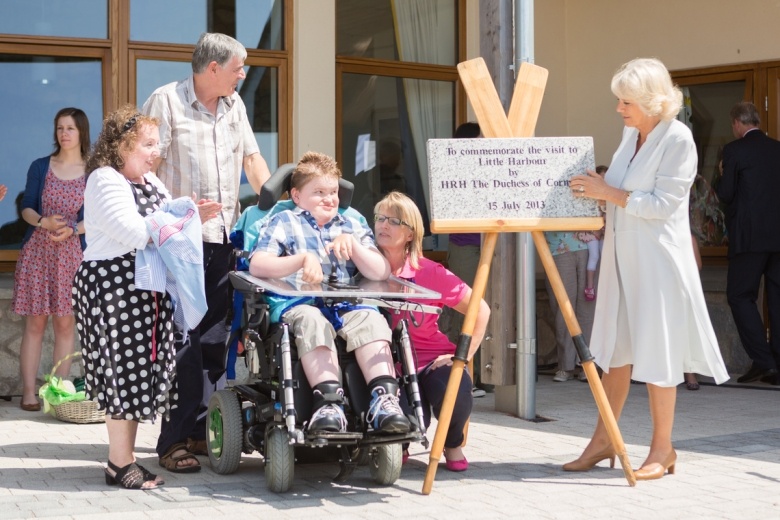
(646, 81)
(216, 47)
(746, 113)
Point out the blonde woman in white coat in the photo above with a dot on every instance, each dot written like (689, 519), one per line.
(651, 319)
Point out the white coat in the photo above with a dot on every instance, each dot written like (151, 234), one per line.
(648, 266)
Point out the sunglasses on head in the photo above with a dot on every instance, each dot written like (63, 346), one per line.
(129, 124)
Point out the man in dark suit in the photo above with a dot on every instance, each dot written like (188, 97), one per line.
(751, 187)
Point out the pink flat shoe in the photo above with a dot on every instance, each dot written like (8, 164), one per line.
(456, 465)
(590, 294)
(405, 457)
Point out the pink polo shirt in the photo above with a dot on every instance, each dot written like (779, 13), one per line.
(427, 340)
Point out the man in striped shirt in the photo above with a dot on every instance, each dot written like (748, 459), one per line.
(205, 141)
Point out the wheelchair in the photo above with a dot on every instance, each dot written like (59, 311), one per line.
(269, 412)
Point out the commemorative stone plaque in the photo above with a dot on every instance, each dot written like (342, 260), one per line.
(517, 178)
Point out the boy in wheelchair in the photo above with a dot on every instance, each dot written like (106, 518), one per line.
(301, 244)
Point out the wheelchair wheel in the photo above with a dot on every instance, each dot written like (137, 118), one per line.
(279, 461)
(224, 429)
(360, 456)
(385, 464)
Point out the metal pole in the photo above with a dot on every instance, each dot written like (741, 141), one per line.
(526, 269)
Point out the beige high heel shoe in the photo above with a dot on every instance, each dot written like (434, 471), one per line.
(587, 463)
(659, 469)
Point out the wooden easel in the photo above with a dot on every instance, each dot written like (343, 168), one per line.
(520, 122)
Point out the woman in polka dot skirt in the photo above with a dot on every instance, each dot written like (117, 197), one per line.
(126, 333)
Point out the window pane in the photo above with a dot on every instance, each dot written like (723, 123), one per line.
(398, 30)
(152, 74)
(385, 125)
(257, 24)
(39, 86)
(75, 18)
(259, 91)
(706, 113)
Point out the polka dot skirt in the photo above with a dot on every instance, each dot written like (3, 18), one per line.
(127, 336)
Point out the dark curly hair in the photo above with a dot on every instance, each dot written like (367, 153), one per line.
(118, 136)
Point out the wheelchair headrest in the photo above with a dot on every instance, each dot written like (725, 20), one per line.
(279, 184)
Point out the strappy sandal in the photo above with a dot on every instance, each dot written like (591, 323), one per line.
(148, 475)
(171, 462)
(129, 477)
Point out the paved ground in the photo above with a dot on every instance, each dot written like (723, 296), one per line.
(727, 440)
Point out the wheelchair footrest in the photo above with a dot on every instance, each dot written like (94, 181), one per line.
(335, 437)
(379, 438)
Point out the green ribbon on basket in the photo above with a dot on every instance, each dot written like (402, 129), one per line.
(58, 390)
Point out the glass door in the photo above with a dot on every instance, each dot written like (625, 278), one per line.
(708, 99)
(772, 102)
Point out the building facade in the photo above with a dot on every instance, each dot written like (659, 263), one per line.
(370, 82)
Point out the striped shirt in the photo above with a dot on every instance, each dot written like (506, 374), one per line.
(202, 153)
(295, 231)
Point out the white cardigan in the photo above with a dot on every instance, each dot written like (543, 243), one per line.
(112, 223)
(648, 262)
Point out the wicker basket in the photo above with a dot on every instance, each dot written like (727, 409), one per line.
(79, 412)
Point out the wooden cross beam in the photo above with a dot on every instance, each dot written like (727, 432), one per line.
(520, 122)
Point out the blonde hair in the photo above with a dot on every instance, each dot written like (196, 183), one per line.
(397, 204)
(646, 81)
(119, 134)
(311, 165)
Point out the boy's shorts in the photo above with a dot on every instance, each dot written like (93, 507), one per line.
(312, 329)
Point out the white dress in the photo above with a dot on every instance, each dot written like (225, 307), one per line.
(651, 310)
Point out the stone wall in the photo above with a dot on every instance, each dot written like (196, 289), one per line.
(11, 332)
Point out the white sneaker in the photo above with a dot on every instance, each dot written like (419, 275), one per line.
(477, 392)
(562, 375)
(328, 418)
(582, 376)
(385, 413)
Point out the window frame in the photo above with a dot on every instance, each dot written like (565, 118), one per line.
(119, 54)
(405, 70)
(716, 255)
(394, 69)
(63, 49)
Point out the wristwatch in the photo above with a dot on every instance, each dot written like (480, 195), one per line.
(75, 228)
(39, 224)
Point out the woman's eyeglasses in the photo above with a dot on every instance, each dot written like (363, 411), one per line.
(393, 221)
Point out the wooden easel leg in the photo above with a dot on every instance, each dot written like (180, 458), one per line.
(585, 356)
(459, 359)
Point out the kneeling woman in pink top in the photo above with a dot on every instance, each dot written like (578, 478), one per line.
(399, 232)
